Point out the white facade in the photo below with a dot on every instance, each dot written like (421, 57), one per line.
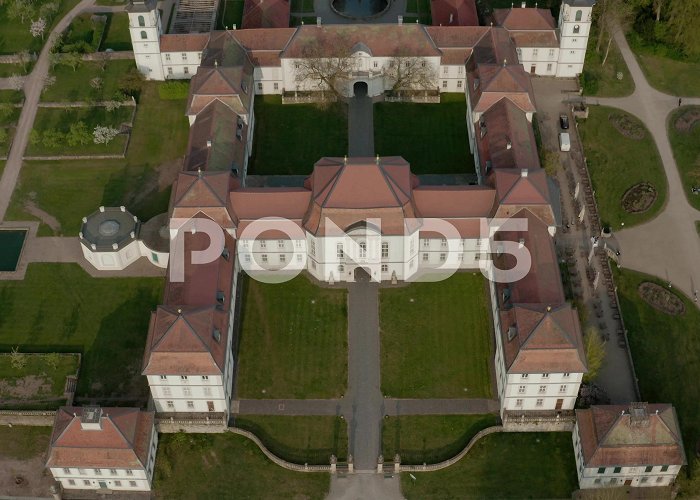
(452, 78)
(543, 61)
(574, 30)
(145, 29)
(117, 479)
(604, 477)
(114, 260)
(180, 65)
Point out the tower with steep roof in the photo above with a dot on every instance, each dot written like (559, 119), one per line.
(145, 28)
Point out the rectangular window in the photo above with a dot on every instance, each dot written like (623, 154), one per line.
(601, 470)
(298, 257)
(545, 375)
(283, 258)
(543, 389)
(167, 57)
(186, 391)
(71, 482)
(664, 468)
(459, 84)
(375, 64)
(566, 375)
(164, 377)
(276, 86)
(66, 470)
(443, 242)
(170, 70)
(81, 472)
(551, 52)
(534, 52)
(445, 70)
(425, 257)
(385, 268)
(263, 244)
(260, 87)
(129, 472)
(207, 391)
(617, 470)
(190, 405)
(549, 67)
(524, 375)
(184, 56)
(118, 484)
(313, 247)
(649, 468)
(363, 250)
(562, 388)
(170, 404)
(385, 250)
(540, 402)
(341, 268)
(98, 472)
(644, 479)
(444, 84)
(183, 378)
(113, 472)
(518, 402)
(186, 70)
(205, 378)
(264, 257)
(86, 482)
(339, 252)
(132, 484)
(598, 480)
(521, 389)
(247, 257)
(280, 243)
(167, 391)
(443, 257)
(460, 70)
(659, 479)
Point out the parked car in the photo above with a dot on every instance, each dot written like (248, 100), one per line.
(564, 122)
(564, 141)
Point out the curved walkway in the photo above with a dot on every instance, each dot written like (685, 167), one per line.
(32, 92)
(668, 246)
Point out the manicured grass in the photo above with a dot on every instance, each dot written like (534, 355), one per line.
(60, 308)
(599, 80)
(300, 440)
(431, 137)
(21, 442)
(666, 354)
(11, 96)
(436, 339)
(7, 69)
(117, 35)
(673, 76)
(686, 150)
(616, 163)
(133, 182)
(15, 36)
(430, 438)
(75, 85)
(293, 340)
(195, 466)
(49, 381)
(230, 13)
(290, 138)
(504, 465)
(296, 21)
(62, 118)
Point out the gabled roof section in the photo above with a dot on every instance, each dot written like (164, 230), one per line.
(494, 48)
(522, 187)
(454, 13)
(266, 14)
(524, 19)
(638, 434)
(190, 42)
(119, 438)
(547, 339)
(202, 189)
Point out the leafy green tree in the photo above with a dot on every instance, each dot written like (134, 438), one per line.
(21, 9)
(53, 138)
(3, 136)
(78, 134)
(6, 111)
(53, 359)
(34, 137)
(72, 59)
(683, 25)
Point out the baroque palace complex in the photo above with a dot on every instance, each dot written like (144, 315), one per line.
(359, 217)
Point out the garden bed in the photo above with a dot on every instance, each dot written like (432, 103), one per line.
(628, 126)
(639, 198)
(685, 123)
(661, 298)
(39, 384)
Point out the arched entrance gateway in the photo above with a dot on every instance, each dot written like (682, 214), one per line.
(361, 275)
(360, 89)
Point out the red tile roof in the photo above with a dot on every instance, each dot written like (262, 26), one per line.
(250, 204)
(540, 338)
(456, 36)
(383, 40)
(535, 38)
(203, 192)
(122, 441)
(524, 19)
(633, 435)
(191, 42)
(454, 13)
(265, 14)
(489, 83)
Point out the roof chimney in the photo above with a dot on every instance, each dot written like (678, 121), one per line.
(549, 308)
(505, 61)
(208, 143)
(199, 172)
(509, 144)
(318, 20)
(523, 5)
(523, 172)
(452, 16)
(400, 19)
(216, 63)
(377, 159)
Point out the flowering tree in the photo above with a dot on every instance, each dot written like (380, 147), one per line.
(48, 81)
(37, 28)
(96, 83)
(16, 82)
(104, 135)
(112, 105)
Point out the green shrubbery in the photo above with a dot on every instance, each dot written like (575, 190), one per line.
(171, 91)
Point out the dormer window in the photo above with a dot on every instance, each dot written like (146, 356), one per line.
(225, 253)
(244, 87)
(476, 83)
(220, 297)
(216, 334)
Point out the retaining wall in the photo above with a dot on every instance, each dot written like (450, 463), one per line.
(192, 426)
(32, 418)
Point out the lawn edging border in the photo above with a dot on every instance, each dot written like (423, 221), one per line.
(451, 461)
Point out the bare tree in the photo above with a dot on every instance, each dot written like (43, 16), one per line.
(37, 28)
(24, 58)
(326, 62)
(18, 360)
(103, 58)
(613, 15)
(16, 82)
(410, 73)
(48, 82)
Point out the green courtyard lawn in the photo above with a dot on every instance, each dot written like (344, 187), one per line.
(22, 442)
(430, 438)
(11, 96)
(290, 138)
(9, 69)
(617, 162)
(306, 6)
(61, 119)
(431, 137)
(666, 354)
(194, 466)
(74, 85)
(503, 465)
(230, 13)
(15, 36)
(686, 150)
(602, 81)
(293, 340)
(38, 385)
(300, 440)
(436, 339)
(117, 35)
(418, 10)
(141, 181)
(60, 308)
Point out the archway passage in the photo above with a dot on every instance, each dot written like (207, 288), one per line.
(360, 89)
(361, 275)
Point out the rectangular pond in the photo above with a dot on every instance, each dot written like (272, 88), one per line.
(11, 242)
